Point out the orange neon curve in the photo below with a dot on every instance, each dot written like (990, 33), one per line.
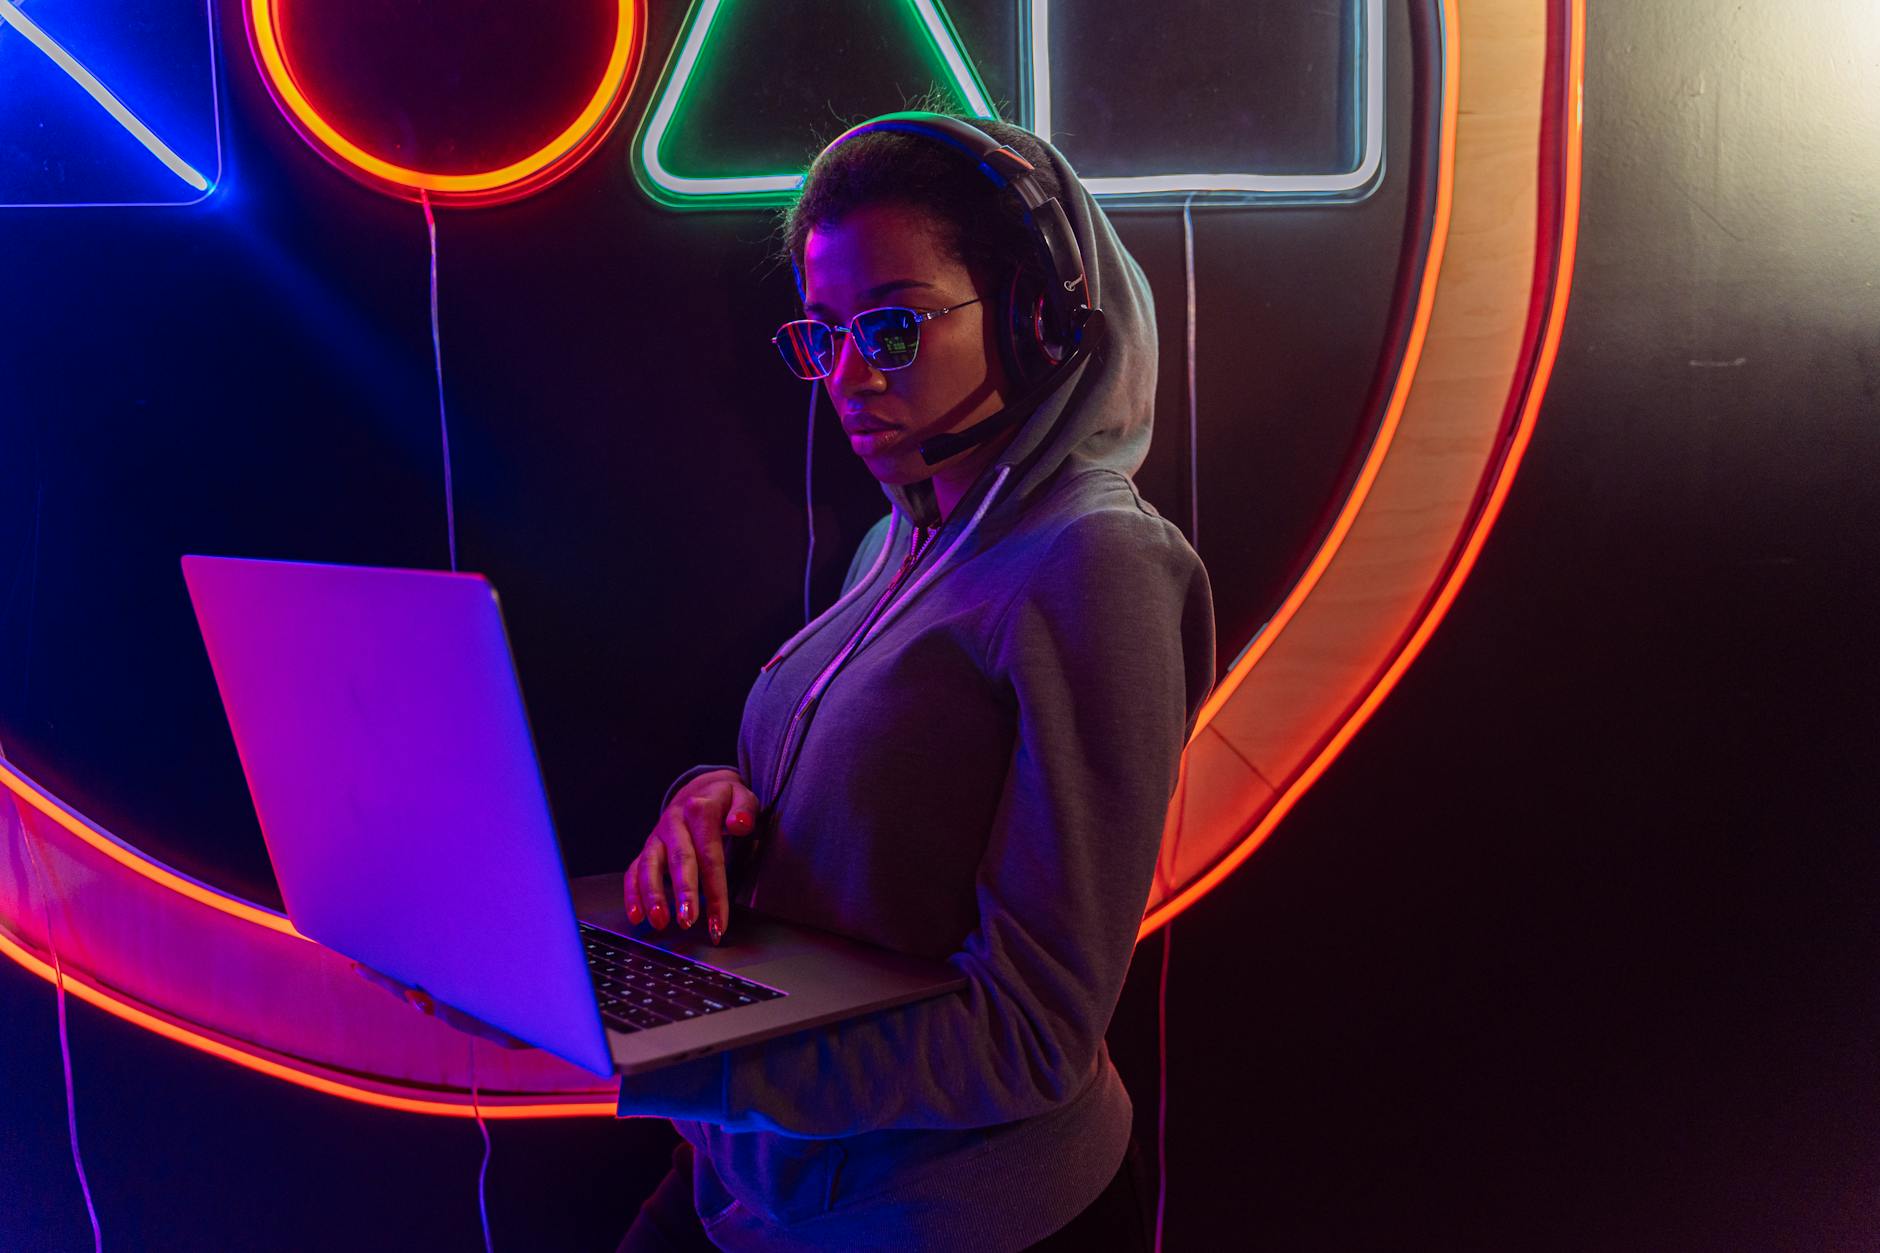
(182, 884)
(143, 864)
(588, 127)
(1478, 535)
(1393, 412)
(491, 1105)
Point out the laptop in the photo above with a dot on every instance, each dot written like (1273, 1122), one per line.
(381, 728)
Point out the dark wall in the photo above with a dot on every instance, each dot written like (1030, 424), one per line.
(1573, 947)
(1576, 947)
(254, 377)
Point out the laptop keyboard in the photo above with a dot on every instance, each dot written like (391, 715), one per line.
(640, 986)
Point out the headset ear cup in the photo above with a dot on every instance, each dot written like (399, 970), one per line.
(1032, 344)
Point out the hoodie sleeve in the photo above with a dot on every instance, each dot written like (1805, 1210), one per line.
(1107, 651)
(672, 789)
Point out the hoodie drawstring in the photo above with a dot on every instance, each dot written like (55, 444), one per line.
(861, 585)
(797, 728)
(914, 589)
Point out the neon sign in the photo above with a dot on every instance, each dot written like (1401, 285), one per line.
(88, 117)
(653, 164)
(233, 979)
(1367, 86)
(508, 181)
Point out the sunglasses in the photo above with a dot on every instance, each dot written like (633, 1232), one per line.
(888, 337)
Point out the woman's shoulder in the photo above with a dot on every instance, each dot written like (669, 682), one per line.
(1091, 542)
(1097, 515)
(1101, 579)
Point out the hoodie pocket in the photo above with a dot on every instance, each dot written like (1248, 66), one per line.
(837, 1160)
(779, 1178)
(710, 1199)
(867, 1165)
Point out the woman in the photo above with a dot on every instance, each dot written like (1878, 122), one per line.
(968, 757)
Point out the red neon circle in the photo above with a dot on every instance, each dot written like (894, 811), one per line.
(567, 149)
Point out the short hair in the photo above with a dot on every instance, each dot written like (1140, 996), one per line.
(979, 224)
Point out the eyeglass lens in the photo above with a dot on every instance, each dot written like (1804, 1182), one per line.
(888, 339)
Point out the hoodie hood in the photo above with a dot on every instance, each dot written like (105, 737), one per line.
(1101, 414)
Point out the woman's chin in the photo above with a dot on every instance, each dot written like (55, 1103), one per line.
(896, 469)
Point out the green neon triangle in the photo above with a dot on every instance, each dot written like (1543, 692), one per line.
(688, 88)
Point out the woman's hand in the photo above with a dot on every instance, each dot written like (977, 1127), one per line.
(689, 843)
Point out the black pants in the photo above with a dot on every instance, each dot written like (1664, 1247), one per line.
(1120, 1220)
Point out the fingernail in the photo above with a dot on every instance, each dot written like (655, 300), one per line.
(685, 913)
(633, 914)
(716, 930)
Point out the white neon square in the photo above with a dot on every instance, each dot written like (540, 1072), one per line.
(1352, 184)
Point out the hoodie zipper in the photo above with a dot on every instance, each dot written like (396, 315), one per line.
(794, 730)
(812, 695)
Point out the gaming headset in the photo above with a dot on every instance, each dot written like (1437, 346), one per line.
(1048, 324)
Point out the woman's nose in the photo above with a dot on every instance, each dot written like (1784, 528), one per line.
(853, 372)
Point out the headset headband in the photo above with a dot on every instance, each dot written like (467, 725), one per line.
(1052, 237)
(1077, 326)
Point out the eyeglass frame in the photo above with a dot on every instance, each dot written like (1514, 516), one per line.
(847, 328)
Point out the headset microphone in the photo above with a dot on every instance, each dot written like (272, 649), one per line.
(941, 447)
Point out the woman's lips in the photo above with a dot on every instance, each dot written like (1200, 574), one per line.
(869, 435)
(867, 440)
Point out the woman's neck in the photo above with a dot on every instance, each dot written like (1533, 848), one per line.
(952, 482)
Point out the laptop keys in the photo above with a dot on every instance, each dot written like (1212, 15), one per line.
(630, 1018)
(638, 986)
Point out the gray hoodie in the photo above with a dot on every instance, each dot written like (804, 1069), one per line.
(980, 778)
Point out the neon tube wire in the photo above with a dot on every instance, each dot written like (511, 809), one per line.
(1194, 431)
(1194, 539)
(483, 1172)
(437, 357)
(450, 529)
(65, 1048)
(809, 503)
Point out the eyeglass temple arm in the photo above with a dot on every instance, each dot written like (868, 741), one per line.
(923, 317)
